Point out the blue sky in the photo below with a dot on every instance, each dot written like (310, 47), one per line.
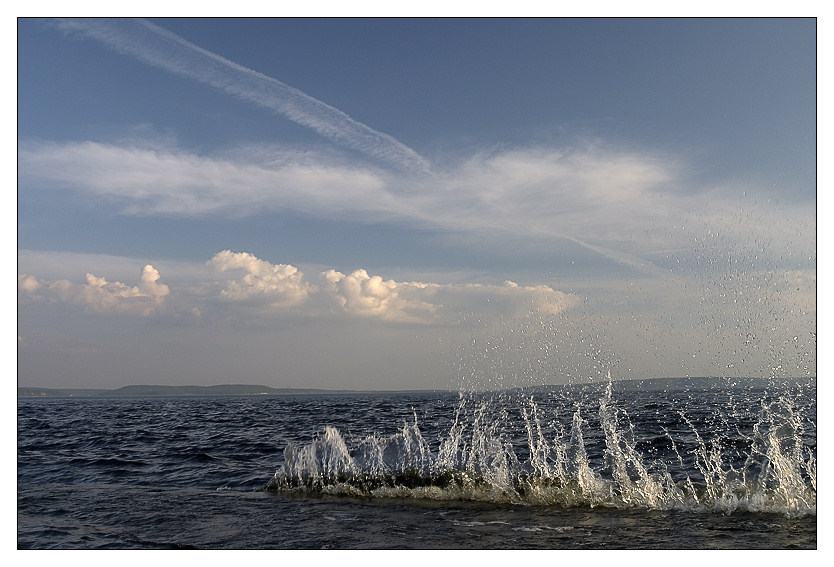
(405, 204)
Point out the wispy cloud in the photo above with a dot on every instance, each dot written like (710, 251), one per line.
(165, 50)
(631, 207)
(529, 191)
(152, 179)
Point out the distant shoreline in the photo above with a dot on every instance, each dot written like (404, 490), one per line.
(651, 384)
(177, 391)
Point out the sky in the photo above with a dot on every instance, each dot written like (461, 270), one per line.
(414, 203)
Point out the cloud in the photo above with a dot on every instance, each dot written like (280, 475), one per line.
(360, 294)
(28, 284)
(277, 285)
(525, 190)
(162, 49)
(261, 289)
(631, 207)
(370, 296)
(531, 192)
(634, 207)
(149, 180)
(364, 295)
(99, 295)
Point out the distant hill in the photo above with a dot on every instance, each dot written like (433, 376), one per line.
(55, 393)
(219, 390)
(707, 382)
(652, 384)
(160, 390)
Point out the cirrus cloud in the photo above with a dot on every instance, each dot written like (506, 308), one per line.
(151, 179)
(162, 49)
(622, 204)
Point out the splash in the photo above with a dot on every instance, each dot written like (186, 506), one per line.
(569, 448)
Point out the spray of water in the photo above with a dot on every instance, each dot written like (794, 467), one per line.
(539, 449)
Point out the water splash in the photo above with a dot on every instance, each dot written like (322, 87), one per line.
(570, 448)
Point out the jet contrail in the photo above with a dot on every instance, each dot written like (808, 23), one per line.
(165, 50)
(623, 258)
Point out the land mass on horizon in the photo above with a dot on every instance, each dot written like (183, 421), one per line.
(650, 384)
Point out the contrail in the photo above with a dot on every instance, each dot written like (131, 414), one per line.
(622, 258)
(165, 50)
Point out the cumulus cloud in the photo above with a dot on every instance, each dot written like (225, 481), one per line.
(360, 294)
(370, 296)
(278, 285)
(27, 284)
(99, 295)
(262, 289)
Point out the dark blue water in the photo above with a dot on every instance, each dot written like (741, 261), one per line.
(556, 468)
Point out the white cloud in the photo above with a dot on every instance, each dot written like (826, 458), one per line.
(364, 295)
(529, 192)
(627, 206)
(616, 202)
(278, 289)
(27, 284)
(532, 192)
(360, 294)
(99, 295)
(278, 285)
(165, 50)
(160, 180)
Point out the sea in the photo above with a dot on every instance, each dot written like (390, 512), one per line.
(579, 467)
